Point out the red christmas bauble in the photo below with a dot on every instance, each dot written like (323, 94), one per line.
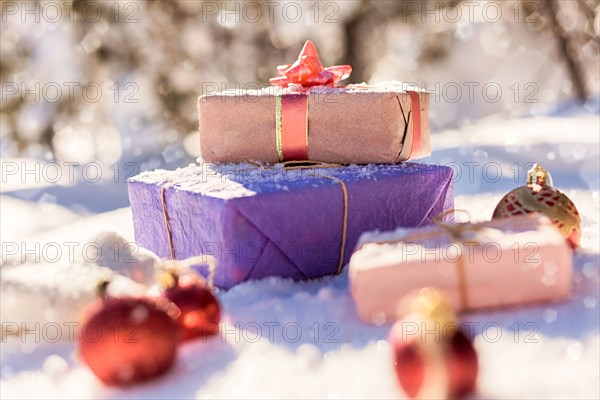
(409, 363)
(127, 340)
(432, 357)
(199, 311)
(462, 365)
(444, 367)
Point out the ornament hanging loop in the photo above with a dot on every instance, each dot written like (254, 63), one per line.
(537, 175)
(172, 269)
(430, 303)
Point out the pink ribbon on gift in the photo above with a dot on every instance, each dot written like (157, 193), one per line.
(416, 126)
(308, 71)
(292, 108)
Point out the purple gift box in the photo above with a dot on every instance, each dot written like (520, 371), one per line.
(276, 221)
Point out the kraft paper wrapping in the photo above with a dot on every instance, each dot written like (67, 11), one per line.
(517, 261)
(346, 125)
(260, 222)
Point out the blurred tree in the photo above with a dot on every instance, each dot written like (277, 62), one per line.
(572, 40)
(367, 27)
(173, 48)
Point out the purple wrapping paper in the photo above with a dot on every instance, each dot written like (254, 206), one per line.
(269, 221)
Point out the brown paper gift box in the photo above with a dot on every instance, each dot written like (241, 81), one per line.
(354, 124)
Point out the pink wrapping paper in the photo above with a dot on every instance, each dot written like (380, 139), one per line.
(505, 262)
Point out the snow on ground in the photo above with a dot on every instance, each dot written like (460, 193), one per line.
(303, 339)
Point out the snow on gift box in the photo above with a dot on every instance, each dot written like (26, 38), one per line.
(306, 117)
(503, 262)
(290, 221)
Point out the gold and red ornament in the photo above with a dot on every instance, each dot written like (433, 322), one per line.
(433, 358)
(197, 311)
(539, 195)
(127, 340)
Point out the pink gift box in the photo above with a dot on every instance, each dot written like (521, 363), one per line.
(492, 264)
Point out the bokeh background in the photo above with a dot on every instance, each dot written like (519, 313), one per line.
(152, 59)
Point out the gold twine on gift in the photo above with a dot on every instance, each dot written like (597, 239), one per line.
(344, 219)
(288, 165)
(166, 217)
(307, 164)
(278, 127)
(294, 165)
(174, 265)
(456, 233)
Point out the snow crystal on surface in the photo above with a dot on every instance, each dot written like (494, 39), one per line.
(48, 290)
(54, 293)
(380, 87)
(245, 179)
